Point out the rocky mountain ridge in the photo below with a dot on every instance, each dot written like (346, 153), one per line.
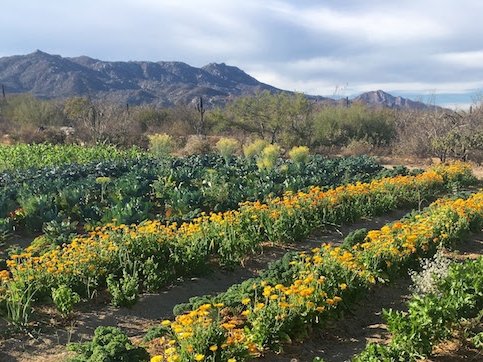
(162, 83)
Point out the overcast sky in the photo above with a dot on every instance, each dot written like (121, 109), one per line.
(417, 48)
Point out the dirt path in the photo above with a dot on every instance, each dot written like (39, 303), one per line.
(49, 343)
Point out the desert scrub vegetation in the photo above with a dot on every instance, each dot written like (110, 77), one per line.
(287, 119)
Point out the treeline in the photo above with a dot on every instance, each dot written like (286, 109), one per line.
(277, 118)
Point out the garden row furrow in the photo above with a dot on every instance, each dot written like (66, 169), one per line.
(150, 254)
(61, 200)
(263, 313)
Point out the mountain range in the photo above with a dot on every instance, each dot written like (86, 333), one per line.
(140, 82)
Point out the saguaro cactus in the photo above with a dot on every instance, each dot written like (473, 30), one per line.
(200, 127)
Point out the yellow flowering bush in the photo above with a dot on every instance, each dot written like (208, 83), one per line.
(160, 144)
(299, 154)
(227, 147)
(254, 149)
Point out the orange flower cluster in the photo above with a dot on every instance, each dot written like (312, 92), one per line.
(230, 234)
(322, 277)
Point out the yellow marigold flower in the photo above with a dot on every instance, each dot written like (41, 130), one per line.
(199, 357)
(245, 313)
(337, 299)
(166, 322)
(213, 348)
(173, 358)
(246, 301)
(231, 359)
(228, 326)
(205, 307)
(170, 350)
(343, 286)
(157, 358)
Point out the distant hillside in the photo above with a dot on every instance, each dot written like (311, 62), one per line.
(139, 82)
(163, 83)
(380, 98)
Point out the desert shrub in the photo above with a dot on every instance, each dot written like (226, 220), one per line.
(358, 147)
(340, 125)
(196, 145)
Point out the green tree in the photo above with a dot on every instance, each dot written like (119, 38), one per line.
(274, 117)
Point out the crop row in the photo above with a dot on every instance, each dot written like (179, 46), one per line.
(144, 188)
(434, 317)
(285, 303)
(152, 253)
(33, 156)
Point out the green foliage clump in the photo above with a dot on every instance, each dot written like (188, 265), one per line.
(25, 156)
(433, 317)
(64, 299)
(353, 238)
(59, 232)
(19, 297)
(124, 292)
(109, 344)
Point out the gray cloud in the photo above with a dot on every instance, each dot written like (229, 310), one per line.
(413, 46)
